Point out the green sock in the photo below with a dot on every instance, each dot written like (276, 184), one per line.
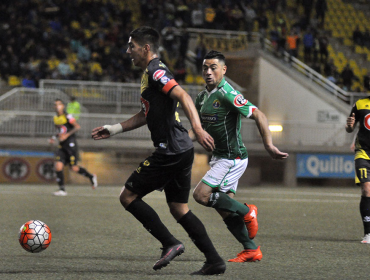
(222, 201)
(236, 226)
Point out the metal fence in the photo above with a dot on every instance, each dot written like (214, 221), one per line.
(32, 99)
(117, 95)
(40, 124)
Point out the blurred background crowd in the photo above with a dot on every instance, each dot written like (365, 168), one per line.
(87, 39)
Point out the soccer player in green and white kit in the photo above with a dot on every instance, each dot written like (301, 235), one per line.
(220, 108)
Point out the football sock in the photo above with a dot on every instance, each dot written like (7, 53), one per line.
(365, 213)
(235, 224)
(84, 172)
(198, 234)
(60, 180)
(151, 222)
(222, 201)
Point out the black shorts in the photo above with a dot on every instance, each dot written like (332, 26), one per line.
(362, 167)
(169, 172)
(67, 155)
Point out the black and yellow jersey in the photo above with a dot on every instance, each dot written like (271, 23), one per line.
(64, 124)
(167, 133)
(361, 109)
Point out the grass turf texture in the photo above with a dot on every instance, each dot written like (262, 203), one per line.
(305, 233)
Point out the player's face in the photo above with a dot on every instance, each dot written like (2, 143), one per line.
(59, 107)
(136, 53)
(213, 72)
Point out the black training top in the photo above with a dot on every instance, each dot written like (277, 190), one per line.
(168, 135)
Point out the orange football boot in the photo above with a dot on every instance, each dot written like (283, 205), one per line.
(248, 255)
(250, 220)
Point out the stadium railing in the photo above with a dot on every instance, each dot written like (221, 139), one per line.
(216, 37)
(32, 99)
(117, 95)
(295, 133)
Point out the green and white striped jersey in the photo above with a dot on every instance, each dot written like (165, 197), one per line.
(220, 112)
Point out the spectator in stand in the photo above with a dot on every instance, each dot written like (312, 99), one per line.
(292, 43)
(347, 77)
(197, 16)
(366, 38)
(321, 7)
(200, 52)
(262, 27)
(209, 16)
(308, 43)
(323, 42)
(330, 69)
(250, 16)
(28, 82)
(367, 82)
(64, 69)
(358, 37)
(180, 70)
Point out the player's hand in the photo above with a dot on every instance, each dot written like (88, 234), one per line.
(351, 121)
(99, 133)
(51, 141)
(275, 153)
(205, 140)
(62, 137)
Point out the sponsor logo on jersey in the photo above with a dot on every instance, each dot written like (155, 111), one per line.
(216, 104)
(162, 145)
(208, 118)
(240, 101)
(62, 129)
(165, 80)
(145, 105)
(158, 74)
(367, 121)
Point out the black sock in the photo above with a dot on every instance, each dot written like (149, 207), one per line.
(198, 234)
(84, 172)
(60, 180)
(151, 222)
(365, 213)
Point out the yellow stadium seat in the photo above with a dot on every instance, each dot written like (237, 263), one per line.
(199, 80)
(14, 81)
(189, 79)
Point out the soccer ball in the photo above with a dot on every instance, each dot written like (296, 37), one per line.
(34, 236)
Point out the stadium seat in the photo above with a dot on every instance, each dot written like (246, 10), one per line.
(14, 81)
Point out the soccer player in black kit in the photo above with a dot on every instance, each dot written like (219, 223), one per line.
(67, 152)
(169, 167)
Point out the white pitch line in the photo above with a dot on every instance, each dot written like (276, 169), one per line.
(158, 195)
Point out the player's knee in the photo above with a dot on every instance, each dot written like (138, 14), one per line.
(200, 197)
(75, 168)
(126, 197)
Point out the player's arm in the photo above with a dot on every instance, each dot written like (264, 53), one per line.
(351, 123)
(105, 131)
(187, 104)
(263, 127)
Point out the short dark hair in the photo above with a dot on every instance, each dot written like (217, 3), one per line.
(146, 35)
(58, 99)
(215, 54)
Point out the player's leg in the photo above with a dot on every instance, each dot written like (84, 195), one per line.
(59, 165)
(177, 194)
(362, 167)
(145, 179)
(73, 159)
(224, 175)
